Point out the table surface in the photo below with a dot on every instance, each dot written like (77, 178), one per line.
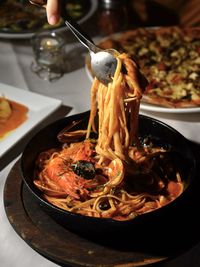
(73, 89)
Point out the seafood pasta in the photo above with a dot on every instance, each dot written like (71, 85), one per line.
(106, 171)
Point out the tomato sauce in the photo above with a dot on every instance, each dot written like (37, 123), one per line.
(17, 117)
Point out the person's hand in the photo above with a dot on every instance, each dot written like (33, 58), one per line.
(53, 11)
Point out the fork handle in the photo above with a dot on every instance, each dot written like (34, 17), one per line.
(81, 36)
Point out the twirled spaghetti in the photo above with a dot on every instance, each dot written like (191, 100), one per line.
(113, 176)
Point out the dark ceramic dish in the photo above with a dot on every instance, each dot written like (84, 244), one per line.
(169, 219)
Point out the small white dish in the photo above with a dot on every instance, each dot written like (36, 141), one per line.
(39, 108)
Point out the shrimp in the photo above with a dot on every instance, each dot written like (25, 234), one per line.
(58, 175)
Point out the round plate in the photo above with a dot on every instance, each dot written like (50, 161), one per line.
(66, 248)
(29, 34)
(149, 107)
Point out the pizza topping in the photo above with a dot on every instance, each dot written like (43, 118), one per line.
(193, 76)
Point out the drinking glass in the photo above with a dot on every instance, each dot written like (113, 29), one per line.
(48, 49)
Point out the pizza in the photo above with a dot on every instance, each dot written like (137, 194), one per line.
(169, 58)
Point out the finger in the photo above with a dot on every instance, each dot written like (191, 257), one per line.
(53, 11)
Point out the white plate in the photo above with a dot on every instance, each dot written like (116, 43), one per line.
(39, 108)
(149, 107)
(27, 35)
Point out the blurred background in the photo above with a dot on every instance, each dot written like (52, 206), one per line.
(145, 13)
(166, 12)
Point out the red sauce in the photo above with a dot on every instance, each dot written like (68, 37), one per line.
(17, 117)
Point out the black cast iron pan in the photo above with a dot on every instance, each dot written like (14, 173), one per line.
(168, 223)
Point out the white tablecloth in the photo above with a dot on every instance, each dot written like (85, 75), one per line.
(73, 89)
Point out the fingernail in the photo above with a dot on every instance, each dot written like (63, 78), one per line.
(53, 19)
